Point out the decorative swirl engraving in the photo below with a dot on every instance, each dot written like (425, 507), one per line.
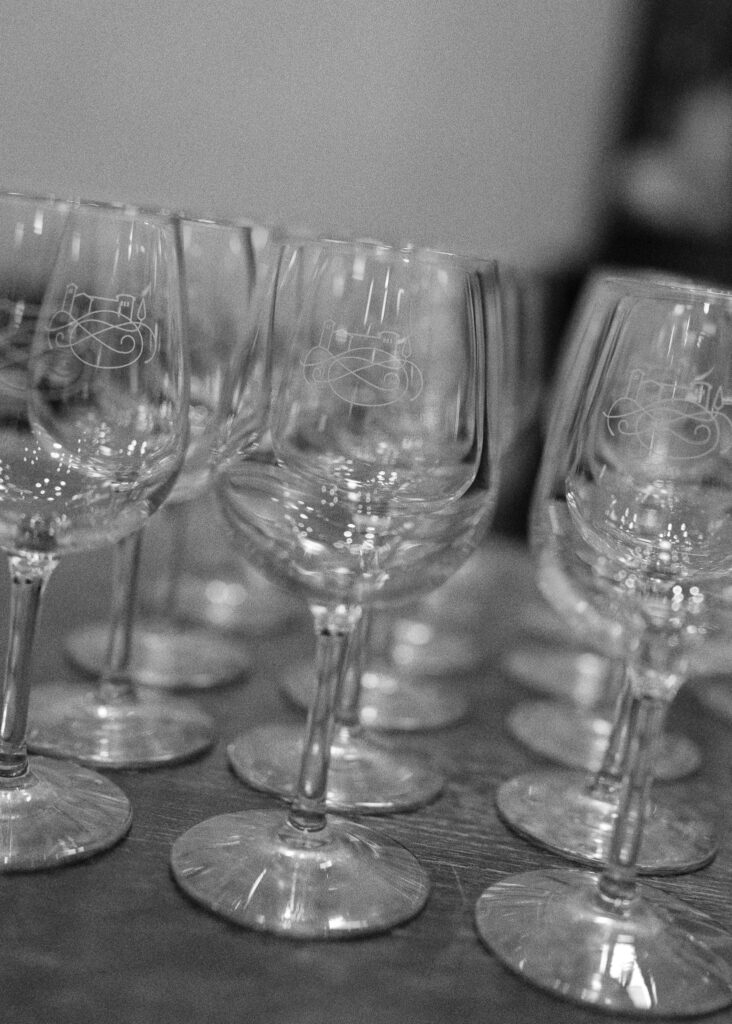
(363, 369)
(102, 332)
(678, 421)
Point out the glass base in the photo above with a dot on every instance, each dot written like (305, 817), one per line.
(166, 655)
(578, 676)
(66, 721)
(57, 813)
(425, 649)
(363, 777)
(660, 958)
(577, 737)
(242, 604)
(557, 811)
(257, 870)
(390, 702)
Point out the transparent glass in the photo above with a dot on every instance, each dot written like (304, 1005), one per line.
(632, 535)
(408, 681)
(571, 813)
(577, 736)
(167, 649)
(113, 309)
(373, 476)
(93, 428)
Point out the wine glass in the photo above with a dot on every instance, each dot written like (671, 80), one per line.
(374, 479)
(634, 540)
(92, 438)
(169, 651)
(572, 812)
(403, 686)
(576, 730)
(366, 776)
(115, 302)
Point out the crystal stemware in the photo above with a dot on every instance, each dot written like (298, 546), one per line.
(115, 302)
(572, 812)
(167, 649)
(374, 478)
(634, 542)
(575, 732)
(408, 679)
(74, 476)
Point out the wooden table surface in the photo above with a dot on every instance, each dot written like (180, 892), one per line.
(113, 939)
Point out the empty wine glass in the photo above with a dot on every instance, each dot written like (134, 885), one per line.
(634, 541)
(115, 301)
(374, 479)
(168, 650)
(403, 686)
(92, 438)
(572, 812)
(576, 730)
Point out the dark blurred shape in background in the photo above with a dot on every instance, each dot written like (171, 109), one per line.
(667, 184)
(670, 184)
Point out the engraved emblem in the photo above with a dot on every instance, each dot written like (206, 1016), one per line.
(105, 333)
(677, 421)
(363, 369)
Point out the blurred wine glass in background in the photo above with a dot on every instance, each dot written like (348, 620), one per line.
(138, 338)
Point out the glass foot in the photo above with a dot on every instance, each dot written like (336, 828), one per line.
(363, 777)
(230, 604)
(424, 649)
(59, 812)
(65, 721)
(165, 655)
(558, 811)
(257, 870)
(661, 958)
(577, 737)
(578, 676)
(390, 702)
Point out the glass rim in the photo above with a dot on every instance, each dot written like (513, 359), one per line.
(649, 282)
(47, 198)
(283, 237)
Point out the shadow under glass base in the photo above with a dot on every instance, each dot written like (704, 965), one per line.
(577, 737)
(57, 813)
(167, 655)
(558, 811)
(662, 958)
(363, 777)
(390, 702)
(67, 721)
(257, 870)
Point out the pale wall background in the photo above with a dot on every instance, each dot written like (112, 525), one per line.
(476, 125)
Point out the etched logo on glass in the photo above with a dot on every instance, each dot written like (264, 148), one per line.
(363, 369)
(105, 333)
(678, 421)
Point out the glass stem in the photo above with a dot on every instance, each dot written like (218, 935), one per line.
(115, 683)
(29, 576)
(617, 882)
(347, 718)
(178, 514)
(610, 773)
(307, 812)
